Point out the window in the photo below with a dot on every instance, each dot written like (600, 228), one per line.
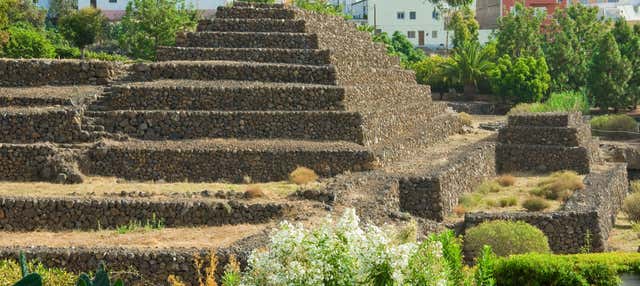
(113, 1)
(412, 15)
(435, 14)
(434, 34)
(400, 15)
(411, 34)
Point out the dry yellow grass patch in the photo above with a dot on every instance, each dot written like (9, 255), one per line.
(507, 180)
(303, 176)
(201, 237)
(102, 185)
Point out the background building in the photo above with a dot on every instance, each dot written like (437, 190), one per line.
(114, 9)
(419, 20)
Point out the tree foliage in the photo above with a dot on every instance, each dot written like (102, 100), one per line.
(570, 41)
(610, 74)
(61, 8)
(518, 32)
(148, 24)
(83, 28)
(464, 26)
(399, 45)
(430, 71)
(469, 64)
(521, 79)
(27, 42)
(628, 40)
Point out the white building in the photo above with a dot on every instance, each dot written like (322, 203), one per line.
(627, 9)
(419, 20)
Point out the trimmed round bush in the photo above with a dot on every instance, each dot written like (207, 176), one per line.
(28, 43)
(631, 207)
(535, 204)
(505, 238)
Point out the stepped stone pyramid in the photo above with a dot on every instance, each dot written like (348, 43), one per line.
(255, 92)
(545, 143)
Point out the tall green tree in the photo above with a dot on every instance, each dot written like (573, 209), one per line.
(519, 33)
(464, 26)
(83, 28)
(14, 11)
(610, 74)
(570, 40)
(61, 8)
(468, 65)
(148, 24)
(409, 54)
(628, 40)
(521, 79)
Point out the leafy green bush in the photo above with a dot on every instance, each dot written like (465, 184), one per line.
(105, 56)
(505, 238)
(83, 28)
(485, 265)
(522, 79)
(26, 42)
(429, 71)
(539, 270)
(452, 253)
(616, 122)
(599, 269)
(535, 204)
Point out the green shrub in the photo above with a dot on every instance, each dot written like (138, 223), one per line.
(600, 269)
(28, 43)
(505, 238)
(617, 122)
(522, 79)
(535, 204)
(538, 270)
(452, 253)
(322, 7)
(105, 56)
(82, 28)
(631, 207)
(485, 265)
(429, 71)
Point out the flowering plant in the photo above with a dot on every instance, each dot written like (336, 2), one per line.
(345, 253)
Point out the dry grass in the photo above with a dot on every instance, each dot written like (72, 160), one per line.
(465, 119)
(204, 237)
(104, 185)
(507, 180)
(535, 204)
(634, 186)
(625, 235)
(254, 192)
(561, 185)
(303, 176)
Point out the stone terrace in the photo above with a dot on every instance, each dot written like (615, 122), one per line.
(249, 96)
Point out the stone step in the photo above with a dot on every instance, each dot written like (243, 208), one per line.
(227, 70)
(290, 56)
(93, 213)
(47, 95)
(252, 25)
(367, 76)
(257, 5)
(536, 135)
(254, 13)
(222, 96)
(247, 40)
(542, 158)
(54, 124)
(304, 125)
(223, 159)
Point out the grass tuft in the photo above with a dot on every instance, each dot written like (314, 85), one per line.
(535, 204)
(254, 192)
(561, 185)
(303, 176)
(506, 180)
(489, 187)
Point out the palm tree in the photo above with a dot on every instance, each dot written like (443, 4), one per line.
(469, 64)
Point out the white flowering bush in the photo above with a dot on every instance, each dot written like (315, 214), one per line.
(345, 253)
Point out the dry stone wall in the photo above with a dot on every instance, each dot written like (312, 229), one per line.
(434, 194)
(234, 162)
(37, 162)
(588, 213)
(28, 125)
(37, 72)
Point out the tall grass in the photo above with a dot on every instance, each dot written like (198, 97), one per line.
(557, 102)
(614, 122)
